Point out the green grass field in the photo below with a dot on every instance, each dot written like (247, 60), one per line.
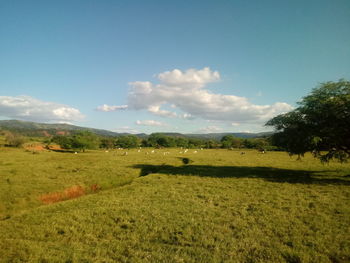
(221, 207)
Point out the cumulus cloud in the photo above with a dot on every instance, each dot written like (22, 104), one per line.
(107, 108)
(126, 129)
(164, 113)
(210, 129)
(186, 91)
(150, 123)
(31, 109)
(191, 78)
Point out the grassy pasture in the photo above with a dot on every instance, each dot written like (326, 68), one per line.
(221, 207)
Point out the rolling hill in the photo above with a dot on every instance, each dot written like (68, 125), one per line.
(47, 129)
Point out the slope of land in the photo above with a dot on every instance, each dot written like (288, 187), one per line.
(47, 129)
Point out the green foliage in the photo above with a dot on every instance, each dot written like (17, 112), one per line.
(211, 144)
(129, 141)
(85, 140)
(321, 124)
(81, 140)
(195, 143)
(256, 143)
(230, 141)
(181, 142)
(161, 140)
(107, 143)
(64, 141)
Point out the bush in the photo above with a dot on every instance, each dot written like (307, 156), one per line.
(14, 140)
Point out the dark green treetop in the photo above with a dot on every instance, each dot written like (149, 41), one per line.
(321, 123)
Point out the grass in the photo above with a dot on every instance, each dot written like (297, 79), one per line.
(220, 207)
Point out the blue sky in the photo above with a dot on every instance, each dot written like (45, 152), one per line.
(180, 66)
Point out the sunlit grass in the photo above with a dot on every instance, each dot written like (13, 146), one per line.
(221, 207)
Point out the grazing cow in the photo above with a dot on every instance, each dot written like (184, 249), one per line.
(242, 153)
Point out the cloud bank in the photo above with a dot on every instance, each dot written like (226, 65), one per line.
(31, 109)
(186, 91)
(150, 123)
(107, 108)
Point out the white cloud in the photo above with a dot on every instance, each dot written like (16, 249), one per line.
(210, 129)
(150, 123)
(126, 129)
(107, 108)
(187, 116)
(164, 113)
(185, 91)
(235, 124)
(65, 122)
(192, 78)
(31, 109)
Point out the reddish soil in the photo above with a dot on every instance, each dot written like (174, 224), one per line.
(55, 147)
(45, 133)
(62, 133)
(35, 147)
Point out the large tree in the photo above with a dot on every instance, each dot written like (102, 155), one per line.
(321, 123)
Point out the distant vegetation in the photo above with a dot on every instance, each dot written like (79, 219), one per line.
(18, 132)
(87, 140)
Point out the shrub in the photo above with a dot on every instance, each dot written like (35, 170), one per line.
(14, 140)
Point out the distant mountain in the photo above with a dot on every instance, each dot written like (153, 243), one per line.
(218, 136)
(46, 129)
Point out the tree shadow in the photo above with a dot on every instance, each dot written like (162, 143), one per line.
(267, 173)
(62, 151)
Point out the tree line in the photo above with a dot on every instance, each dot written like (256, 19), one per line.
(87, 140)
(83, 140)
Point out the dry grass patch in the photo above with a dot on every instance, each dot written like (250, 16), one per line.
(69, 193)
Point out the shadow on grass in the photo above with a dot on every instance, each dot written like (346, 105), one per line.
(62, 151)
(266, 173)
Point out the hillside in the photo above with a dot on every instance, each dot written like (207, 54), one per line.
(218, 136)
(47, 129)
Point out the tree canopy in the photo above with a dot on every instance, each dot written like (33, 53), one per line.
(321, 123)
(81, 140)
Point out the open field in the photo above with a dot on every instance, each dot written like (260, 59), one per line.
(221, 207)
